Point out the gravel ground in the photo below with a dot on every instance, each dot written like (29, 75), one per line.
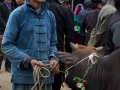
(5, 79)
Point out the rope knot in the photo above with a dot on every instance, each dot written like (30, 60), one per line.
(92, 57)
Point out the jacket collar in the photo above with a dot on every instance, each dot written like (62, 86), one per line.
(44, 7)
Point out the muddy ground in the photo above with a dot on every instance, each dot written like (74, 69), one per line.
(5, 79)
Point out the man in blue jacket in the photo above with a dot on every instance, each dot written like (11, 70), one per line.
(29, 40)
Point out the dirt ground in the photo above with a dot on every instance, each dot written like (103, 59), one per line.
(5, 79)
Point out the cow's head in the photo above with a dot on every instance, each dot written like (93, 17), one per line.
(79, 52)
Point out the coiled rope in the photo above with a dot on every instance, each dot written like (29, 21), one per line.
(41, 72)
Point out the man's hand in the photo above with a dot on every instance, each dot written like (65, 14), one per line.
(54, 66)
(35, 62)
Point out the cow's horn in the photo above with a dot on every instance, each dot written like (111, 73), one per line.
(73, 46)
(99, 48)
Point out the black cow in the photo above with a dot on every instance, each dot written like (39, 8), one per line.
(104, 74)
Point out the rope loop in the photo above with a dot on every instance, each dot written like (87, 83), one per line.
(40, 72)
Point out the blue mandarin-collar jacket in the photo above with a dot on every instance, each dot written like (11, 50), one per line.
(29, 34)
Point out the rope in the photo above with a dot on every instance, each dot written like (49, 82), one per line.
(87, 70)
(81, 81)
(37, 74)
(90, 59)
(40, 72)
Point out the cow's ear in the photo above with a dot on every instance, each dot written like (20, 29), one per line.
(64, 57)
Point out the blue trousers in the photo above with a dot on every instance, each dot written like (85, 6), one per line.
(16, 86)
(7, 62)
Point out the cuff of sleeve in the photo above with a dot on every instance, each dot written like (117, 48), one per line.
(52, 58)
(26, 63)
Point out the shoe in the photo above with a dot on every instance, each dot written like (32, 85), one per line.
(8, 69)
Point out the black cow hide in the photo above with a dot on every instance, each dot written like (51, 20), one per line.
(104, 75)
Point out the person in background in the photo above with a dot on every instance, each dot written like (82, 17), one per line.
(1, 1)
(6, 7)
(15, 4)
(98, 35)
(30, 40)
(20, 2)
(66, 3)
(78, 8)
(112, 42)
(65, 34)
(87, 7)
(90, 18)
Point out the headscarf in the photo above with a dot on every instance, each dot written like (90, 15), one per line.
(78, 8)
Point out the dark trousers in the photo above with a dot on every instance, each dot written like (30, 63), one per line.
(7, 62)
(58, 79)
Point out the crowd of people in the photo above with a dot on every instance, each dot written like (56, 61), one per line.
(33, 30)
